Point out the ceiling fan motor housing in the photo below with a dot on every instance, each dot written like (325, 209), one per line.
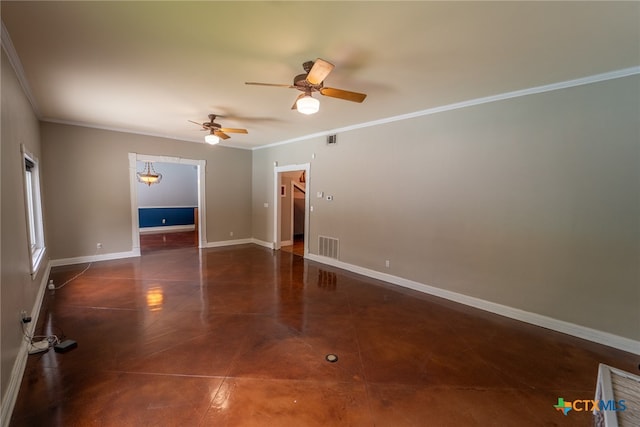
(300, 82)
(307, 66)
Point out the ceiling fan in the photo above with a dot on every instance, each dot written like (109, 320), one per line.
(216, 132)
(312, 81)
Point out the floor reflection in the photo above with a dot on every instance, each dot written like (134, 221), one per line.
(242, 336)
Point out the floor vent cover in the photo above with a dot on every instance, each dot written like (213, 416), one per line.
(328, 246)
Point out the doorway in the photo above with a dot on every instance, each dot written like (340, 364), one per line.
(291, 206)
(198, 234)
(292, 196)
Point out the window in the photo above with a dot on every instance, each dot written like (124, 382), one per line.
(33, 206)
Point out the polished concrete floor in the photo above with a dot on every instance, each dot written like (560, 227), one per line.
(239, 336)
(152, 242)
(297, 248)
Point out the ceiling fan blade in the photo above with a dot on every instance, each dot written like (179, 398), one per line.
(199, 124)
(221, 135)
(270, 84)
(343, 94)
(233, 130)
(319, 71)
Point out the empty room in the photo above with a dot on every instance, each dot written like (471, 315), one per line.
(320, 213)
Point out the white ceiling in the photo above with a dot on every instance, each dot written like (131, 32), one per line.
(149, 67)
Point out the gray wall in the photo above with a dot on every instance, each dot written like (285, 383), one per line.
(18, 291)
(531, 202)
(85, 212)
(178, 187)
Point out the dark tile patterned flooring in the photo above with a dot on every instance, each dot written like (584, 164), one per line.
(238, 336)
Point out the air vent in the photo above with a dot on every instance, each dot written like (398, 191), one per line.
(332, 139)
(328, 246)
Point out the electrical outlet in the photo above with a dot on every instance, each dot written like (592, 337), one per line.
(386, 263)
(231, 233)
(98, 245)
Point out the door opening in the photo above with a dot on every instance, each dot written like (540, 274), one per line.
(168, 210)
(291, 208)
(199, 228)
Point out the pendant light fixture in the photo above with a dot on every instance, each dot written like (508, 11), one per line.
(149, 175)
(307, 104)
(212, 139)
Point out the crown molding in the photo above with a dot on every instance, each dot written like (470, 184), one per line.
(134, 132)
(14, 60)
(470, 103)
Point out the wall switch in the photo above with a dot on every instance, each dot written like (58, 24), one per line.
(320, 194)
(266, 205)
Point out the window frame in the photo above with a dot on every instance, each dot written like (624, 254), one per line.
(33, 210)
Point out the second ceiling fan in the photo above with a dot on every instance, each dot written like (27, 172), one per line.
(312, 81)
(216, 132)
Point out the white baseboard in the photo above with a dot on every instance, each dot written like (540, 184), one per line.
(568, 328)
(222, 243)
(19, 365)
(136, 252)
(94, 258)
(262, 243)
(238, 242)
(167, 229)
(286, 243)
(600, 337)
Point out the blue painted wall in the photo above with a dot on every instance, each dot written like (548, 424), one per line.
(152, 217)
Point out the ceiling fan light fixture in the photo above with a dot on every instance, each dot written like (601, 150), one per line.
(308, 105)
(211, 139)
(149, 175)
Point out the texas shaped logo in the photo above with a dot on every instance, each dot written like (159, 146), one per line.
(563, 406)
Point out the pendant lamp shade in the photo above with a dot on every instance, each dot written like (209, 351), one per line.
(211, 139)
(149, 175)
(308, 105)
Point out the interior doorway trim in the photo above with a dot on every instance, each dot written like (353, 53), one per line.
(277, 208)
(133, 185)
